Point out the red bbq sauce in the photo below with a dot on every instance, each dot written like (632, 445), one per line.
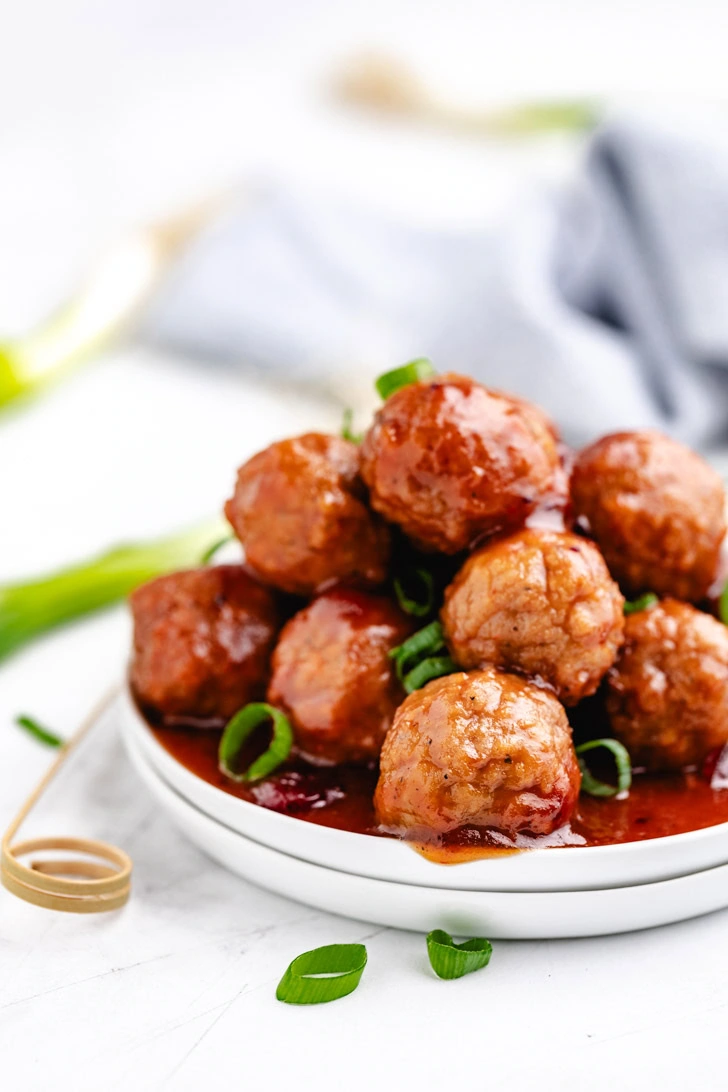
(341, 797)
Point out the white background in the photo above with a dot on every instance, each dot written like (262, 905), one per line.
(111, 113)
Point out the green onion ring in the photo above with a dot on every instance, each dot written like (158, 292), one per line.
(403, 377)
(347, 432)
(416, 607)
(37, 731)
(434, 667)
(425, 642)
(723, 605)
(239, 728)
(594, 787)
(451, 960)
(324, 974)
(646, 601)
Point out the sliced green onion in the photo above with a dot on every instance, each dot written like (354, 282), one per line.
(649, 599)
(591, 785)
(451, 960)
(324, 974)
(347, 432)
(723, 605)
(238, 730)
(434, 667)
(421, 607)
(416, 658)
(425, 642)
(30, 608)
(402, 377)
(208, 554)
(37, 731)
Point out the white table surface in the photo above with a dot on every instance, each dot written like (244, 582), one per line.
(118, 110)
(178, 988)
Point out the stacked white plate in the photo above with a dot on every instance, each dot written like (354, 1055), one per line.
(543, 893)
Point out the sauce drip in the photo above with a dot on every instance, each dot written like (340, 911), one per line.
(341, 797)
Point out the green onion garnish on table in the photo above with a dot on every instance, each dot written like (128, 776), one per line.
(323, 974)
(645, 602)
(590, 784)
(30, 608)
(404, 376)
(37, 731)
(451, 960)
(239, 729)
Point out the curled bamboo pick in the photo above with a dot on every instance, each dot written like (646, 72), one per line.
(98, 879)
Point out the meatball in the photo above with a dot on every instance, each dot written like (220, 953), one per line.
(448, 461)
(477, 749)
(332, 674)
(202, 642)
(667, 695)
(541, 603)
(299, 509)
(656, 510)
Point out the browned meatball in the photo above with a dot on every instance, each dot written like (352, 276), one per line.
(667, 695)
(332, 675)
(449, 460)
(299, 509)
(655, 508)
(541, 603)
(480, 749)
(202, 641)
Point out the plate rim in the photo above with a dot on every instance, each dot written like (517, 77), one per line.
(497, 902)
(665, 844)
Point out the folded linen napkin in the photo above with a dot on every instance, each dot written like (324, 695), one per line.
(606, 303)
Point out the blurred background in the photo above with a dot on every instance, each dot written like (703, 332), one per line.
(357, 183)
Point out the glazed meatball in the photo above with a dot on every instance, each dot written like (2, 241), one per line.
(541, 603)
(332, 674)
(477, 749)
(202, 642)
(299, 509)
(448, 461)
(667, 695)
(656, 510)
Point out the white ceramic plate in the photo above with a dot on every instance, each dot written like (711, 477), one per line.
(496, 914)
(571, 869)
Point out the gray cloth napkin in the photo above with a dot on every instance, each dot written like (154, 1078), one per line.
(607, 304)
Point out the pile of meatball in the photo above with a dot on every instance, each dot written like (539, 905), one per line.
(541, 547)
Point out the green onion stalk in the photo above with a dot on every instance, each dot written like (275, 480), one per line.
(535, 118)
(86, 324)
(102, 309)
(31, 608)
(29, 364)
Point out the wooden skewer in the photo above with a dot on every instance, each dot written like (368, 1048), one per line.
(98, 880)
